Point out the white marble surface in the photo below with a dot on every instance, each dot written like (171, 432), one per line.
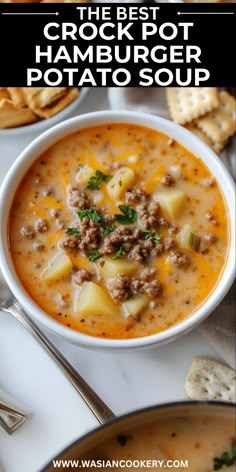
(125, 381)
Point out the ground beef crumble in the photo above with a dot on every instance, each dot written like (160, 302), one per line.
(55, 213)
(163, 222)
(77, 198)
(167, 180)
(151, 288)
(69, 242)
(28, 232)
(136, 195)
(48, 192)
(169, 243)
(158, 250)
(210, 238)
(139, 252)
(179, 259)
(124, 236)
(38, 246)
(149, 214)
(81, 276)
(148, 273)
(41, 225)
(119, 287)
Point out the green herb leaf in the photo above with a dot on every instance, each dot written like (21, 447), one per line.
(96, 180)
(119, 254)
(93, 256)
(151, 233)
(129, 215)
(108, 229)
(80, 166)
(89, 213)
(73, 232)
(227, 458)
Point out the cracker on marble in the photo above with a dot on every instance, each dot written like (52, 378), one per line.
(210, 380)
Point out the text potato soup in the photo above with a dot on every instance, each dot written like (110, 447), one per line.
(119, 232)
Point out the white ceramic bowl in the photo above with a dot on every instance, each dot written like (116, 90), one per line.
(43, 124)
(38, 146)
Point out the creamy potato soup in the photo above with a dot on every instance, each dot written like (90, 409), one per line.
(190, 443)
(119, 232)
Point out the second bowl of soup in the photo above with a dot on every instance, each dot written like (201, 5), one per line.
(119, 230)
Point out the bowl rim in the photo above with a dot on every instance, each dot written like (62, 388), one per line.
(139, 412)
(46, 123)
(43, 142)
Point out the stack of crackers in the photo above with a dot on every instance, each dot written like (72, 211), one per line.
(22, 106)
(206, 111)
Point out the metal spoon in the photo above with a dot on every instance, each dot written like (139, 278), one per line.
(10, 305)
(11, 419)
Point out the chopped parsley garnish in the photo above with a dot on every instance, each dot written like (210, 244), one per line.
(89, 213)
(73, 232)
(129, 215)
(123, 438)
(96, 180)
(119, 254)
(108, 229)
(227, 458)
(80, 166)
(151, 233)
(93, 256)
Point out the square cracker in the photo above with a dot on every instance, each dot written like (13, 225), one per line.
(57, 106)
(188, 103)
(29, 92)
(210, 380)
(220, 123)
(46, 96)
(11, 116)
(17, 96)
(215, 146)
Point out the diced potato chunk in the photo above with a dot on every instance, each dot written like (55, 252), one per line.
(171, 201)
(93, 300)
(120, 182)
(110, 268)
(134, 306)
(84, 175)
(59, 267)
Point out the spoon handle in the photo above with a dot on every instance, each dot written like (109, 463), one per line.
(96, 405)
